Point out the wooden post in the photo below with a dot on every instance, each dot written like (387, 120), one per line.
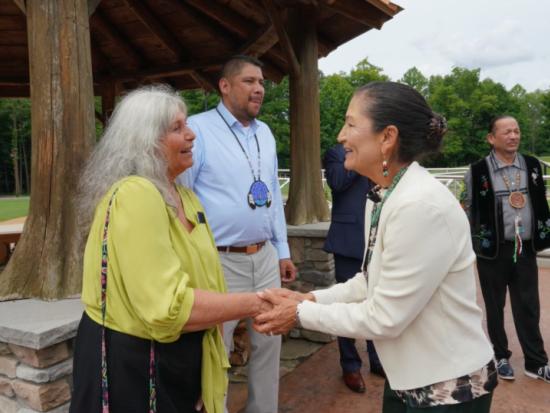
(109, 92)
(47, 262)
(306, 201)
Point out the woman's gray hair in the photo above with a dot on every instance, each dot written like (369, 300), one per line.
(130, 145)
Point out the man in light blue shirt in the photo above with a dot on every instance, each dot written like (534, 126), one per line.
(235, 176)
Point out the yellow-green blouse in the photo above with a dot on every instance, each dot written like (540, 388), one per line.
(154, 265)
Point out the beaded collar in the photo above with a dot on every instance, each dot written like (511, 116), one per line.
(379, 197)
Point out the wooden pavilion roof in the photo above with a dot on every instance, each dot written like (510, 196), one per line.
(184, 42)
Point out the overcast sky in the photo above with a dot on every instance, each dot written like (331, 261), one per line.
(508, 39)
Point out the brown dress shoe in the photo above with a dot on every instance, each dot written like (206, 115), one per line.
(354, 381)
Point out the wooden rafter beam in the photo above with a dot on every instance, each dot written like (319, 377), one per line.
(325, 45)
(92, 5)
(102, 24)
(272, 70)
(22, 5)
(13, 81)
(174, 70)
(168, 39)
(284, 39)
(219, 31)
(228, 26)
(263, 40)
(19, 91)
(293, 3)
(98, 56)
(156, 27)
(356, 10)
(224, 16)
(203, 81)
(389, 9)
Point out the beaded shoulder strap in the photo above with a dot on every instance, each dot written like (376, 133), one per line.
(104, 375)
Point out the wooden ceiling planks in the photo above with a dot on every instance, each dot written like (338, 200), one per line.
(184, 42)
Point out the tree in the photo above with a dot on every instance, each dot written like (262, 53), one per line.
(335, 94)
(198, 100)
(415, 79)
(365, 72)
(275, 113)
(543, 129)
(15, 145)
(47, 262)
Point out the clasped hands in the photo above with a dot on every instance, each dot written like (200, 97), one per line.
(278, 311)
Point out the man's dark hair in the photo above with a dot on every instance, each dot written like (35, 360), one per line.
(496, 119)
(236, 63)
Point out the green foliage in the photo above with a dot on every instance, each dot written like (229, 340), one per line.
(13, 207)
(542, 144)
(366, 72)
(15, 144)
(414, 78)
(335, 93)
(275, 112)
(334, 97)
(469, 104)
(198, 100)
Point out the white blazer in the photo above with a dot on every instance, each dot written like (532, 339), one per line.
(419, 306)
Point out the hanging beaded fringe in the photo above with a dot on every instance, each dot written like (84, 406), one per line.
(518, 243)
(152, 380)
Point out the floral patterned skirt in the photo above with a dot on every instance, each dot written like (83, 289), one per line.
(455, 391)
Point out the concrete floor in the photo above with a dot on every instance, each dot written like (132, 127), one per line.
(316, 384)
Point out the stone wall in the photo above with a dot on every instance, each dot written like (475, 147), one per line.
(36, 344)
(315, 267)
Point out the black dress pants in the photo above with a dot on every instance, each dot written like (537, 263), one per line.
(521, 280)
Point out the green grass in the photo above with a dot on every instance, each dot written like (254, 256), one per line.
(545, 158)
(13, 207)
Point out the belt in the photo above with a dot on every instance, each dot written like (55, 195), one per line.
(246, 249)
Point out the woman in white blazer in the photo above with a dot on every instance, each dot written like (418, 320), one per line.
(416, 296)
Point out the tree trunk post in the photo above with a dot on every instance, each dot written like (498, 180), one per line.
(306, 201)
(47, 262)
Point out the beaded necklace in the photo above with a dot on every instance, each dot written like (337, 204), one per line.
(376, 211)
(517, 201)
(258, 194)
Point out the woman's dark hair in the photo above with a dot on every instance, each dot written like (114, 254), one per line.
(420, 129)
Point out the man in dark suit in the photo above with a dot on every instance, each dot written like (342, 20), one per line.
(346, 240)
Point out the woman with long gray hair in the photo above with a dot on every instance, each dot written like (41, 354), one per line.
(153, 289)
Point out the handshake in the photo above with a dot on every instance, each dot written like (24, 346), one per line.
(278, 310)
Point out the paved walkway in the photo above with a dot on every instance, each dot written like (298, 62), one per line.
(315, 386)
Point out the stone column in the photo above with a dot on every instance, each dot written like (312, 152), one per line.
(36, 341)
